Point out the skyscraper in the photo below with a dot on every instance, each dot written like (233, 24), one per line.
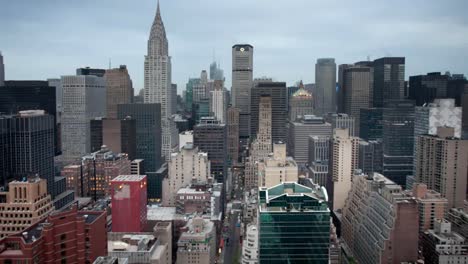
(2, 70)
(119, 89)
(119, 135)
(218, 101)
(344, 155)
(389, 80)
(371, 123)
(301, 221)
(84, 98)
(325, 86)
(242, 82)
(300, 103)
(342, 121)
(277, 168)
(233, 134)
(319, 147)
(158, 83)
(425, 88)
(279, 107)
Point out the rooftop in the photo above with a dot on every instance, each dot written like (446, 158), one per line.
(129, 178)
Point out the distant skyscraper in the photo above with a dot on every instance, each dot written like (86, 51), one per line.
(425, 88)
(287, 206)
(174, 98)
(218, 101)
(389, 80)
(398, 140)
(371, 123)
(442, 163)
(233, 134)
(128, 194)
(344, 151)
(119, 89)
(57, 83)
(342, 121)
(158, 84)
(91, 71)
(118, 135)
(242, 82)
(439, 113)
(84, 98)
(2, 70)
(216, 73)
(279, 107)
(210, 136)
(148, 132)
(325, 86)
(456, 87)
(319, 147)
(300, 103)
(370, 156)
(341, 93)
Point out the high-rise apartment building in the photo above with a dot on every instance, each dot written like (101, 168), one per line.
(84, 98)
(344, 154)
(357, 86)
(389, 80)
(242, 82)
(57, 83)
(277, 168)
(119, 89)
(456, 87)
(119, 135)
(441, 163)
(148, 132)
(459, 219)
(301, 103)
(26, 203)
(371, 123)
(301, 219)
(299, 132)
(423, 89)
(379, 223)
(184, 167)
(158, 83)
(197, 243)
(128, 194)
(431, 204)
(398, 140)
(233, 134)
(69, 236)
(325, 86)
(218, 101)
(210, 137)
(319, 147)
(279, 108)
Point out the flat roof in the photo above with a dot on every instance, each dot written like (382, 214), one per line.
(129, 178)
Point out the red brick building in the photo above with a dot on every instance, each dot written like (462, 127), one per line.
(70, 236)
(129, 194)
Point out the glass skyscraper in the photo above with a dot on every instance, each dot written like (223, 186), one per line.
(294, 224)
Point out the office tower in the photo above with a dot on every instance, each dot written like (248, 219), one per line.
(174, 98)
(387, 233)
(2, 70)
(242, 82)
(233, 134)
(197, 243)
(300, 103)
(357, 87)
(464, 105)
(371, 123)
(69, 236)
(250, 245)
(210, 137)
(277, 168)
(218, 102)
(185, 138)
(216, 73)
(17, 96)
(152, 247)
(91, 71)
(344, 154)
(371, 156)
(148, 132)
(442, 245)
(28, 147)
(398, 140)
(57, 83)
(389, 80)
(289, 206)
(189, 93)
(431, 204)
(119, 135)
(158, 82)
(185, 166)
(279, 107)
(325, 86)
(341, 121)
(441, 163)
(423, 89)
(119, 89)
(456, 87)
(439, 113)
(341, 93)
(128, 194)
(84, 98)
(299, 132)
(319, 147)
(30, 197)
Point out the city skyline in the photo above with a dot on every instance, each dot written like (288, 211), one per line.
(430, 35)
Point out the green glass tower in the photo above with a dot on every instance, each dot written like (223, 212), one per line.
(294, 224)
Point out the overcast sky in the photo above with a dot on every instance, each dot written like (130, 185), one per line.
(43, 39)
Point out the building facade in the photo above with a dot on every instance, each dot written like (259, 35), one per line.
(242, 82)
(197, 243)
(218, 101)
(325, 86)
(119, 135)
(119, 89)
(371, 123)
(233, 134)
(389, 80)
(301, 103)
(423, 89)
